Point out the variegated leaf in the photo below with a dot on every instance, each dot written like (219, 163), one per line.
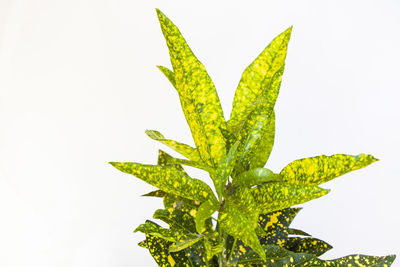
(213, 245)
(276, 195)
(168, 179)
(255, 177)
(242, 198)
(199, 99)
(293, 231)
(176, 219)
(204, 212)
(354, 261)
(306, 245)
(184, 243)
(164, 159)
(169, 74)
(321, 169)
(186, 150)
(258, 77)
(154, 229)
(236, 224)
(275, 257)
(224, 170)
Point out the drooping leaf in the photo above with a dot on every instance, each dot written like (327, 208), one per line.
(293, 231)
(321, 169)
(354, 260)
(235, 223)
(184, 243)
(276, 195)
(186, 150)
(275, 257)
(255, 177)
(168, 179)
(306, 245)
(204, 212)
(276, 225)
(154, 229)
(224, 170)
(168, 73)
(199, 99)
(257, 79)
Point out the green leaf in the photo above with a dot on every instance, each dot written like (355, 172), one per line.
(321, 169)
(258, 77)
(293, 231)
(213, 245)
(204, 212)
(186, 150)
(276, 225)
(255, 177)
(168, 179)
(168, 73)
(306, 245)
(354, 260)
(176, 219)
(235, 223)
(184, 243)
(224, 170)
(250, 134)
(275, 195)
(156, 193)
(154, 229)
(242, 198)
(164, 159)
(199, 99)
(275, 257)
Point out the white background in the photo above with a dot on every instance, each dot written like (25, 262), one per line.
(78, 87)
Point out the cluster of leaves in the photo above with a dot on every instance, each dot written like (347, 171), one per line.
(252, 203)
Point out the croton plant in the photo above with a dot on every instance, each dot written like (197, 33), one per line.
(245, 219)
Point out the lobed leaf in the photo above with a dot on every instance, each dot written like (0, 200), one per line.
(186, 150)
(199, 99)
(276, 195)
(257, 79)
(321, 169)
(168, 179)
(255, 177)
(354, 260)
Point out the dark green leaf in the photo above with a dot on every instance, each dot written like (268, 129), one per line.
(293, 231)
(154, 229)
(176, 219)
(306, 245)
(354, 261)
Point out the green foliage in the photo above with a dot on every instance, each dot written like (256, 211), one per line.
(252, 209)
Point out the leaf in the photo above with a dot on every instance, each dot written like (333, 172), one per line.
(307, 245)
(275, 195)
(251, 133)
(168, 73)
(293, 231)
(186, 150)
(176, 219)
(204, 212)
(168, 179)
(276, 225)
(255, 177)
(158, 248)
(182, 244)
(213, 245)
(235, 223)
(164, 159)
(154, 229)
(242, 198)
(275, 257)
(156, 193)
(258, 76)
(199, 99)
(354, 260)
(224, 170)
(321, 169)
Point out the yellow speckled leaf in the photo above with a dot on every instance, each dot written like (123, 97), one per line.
(154, 229)
(235, 223)
(242, 198)
(199, 99)
(169, 74)
(321, 169)
(186, 150)
(276, 195)
(257, 79)
(168, 179)
(204, 212)
(255, 177)
(184, 243)
(354, 261)
(307, 245)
